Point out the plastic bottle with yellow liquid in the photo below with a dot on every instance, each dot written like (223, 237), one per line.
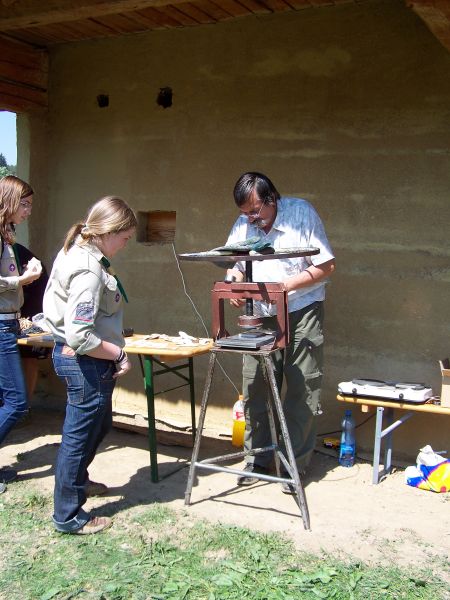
(237, 437)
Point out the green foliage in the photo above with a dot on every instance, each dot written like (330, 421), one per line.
(3, 162)
(159, 554)
(7, 170)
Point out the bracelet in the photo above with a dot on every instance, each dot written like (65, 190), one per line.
(120, 357)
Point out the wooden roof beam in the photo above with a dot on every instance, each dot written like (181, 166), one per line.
(436, 16)
(17, 14)
(23, 76)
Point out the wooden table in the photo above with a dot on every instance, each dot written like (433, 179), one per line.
(160, 352)
(381, 405)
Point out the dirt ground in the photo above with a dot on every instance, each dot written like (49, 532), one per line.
(385, 523)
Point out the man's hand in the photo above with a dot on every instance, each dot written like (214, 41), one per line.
(237, 276)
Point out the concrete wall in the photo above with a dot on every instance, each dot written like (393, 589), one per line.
(346, 106)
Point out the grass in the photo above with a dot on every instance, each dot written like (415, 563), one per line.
(158, 554)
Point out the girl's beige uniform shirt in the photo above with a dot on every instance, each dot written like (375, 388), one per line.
(11, 294)
(82, 303)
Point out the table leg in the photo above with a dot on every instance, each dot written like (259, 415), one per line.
(192, 396)
(377, 445)
(150, 393)
(388, 442)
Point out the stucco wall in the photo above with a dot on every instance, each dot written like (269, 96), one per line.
(346, 106)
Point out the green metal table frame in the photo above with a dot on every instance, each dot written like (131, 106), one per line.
(149, 373)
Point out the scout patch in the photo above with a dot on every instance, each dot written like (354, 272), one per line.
(84, 312)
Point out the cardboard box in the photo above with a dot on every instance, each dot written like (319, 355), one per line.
(445, 392)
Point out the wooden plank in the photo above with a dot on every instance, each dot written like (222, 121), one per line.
(29, 13)
(20, 98)
(30, 36)
(216, 10)
(174, 18)
(159, 18)
(436, 16)
(119, 23)
(300, 4)
(255, 6)
(319, 3)
(233, 8)
(277, 5)
(23, 64)
(20, 74)
(145, 19)
(195, 13)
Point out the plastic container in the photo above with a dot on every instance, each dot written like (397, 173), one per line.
(347, 449)
(237, 437)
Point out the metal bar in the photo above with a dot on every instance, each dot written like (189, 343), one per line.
(388, 441)
(295, 481)
(240, 454)
(176, 387)
(262, 476)
(192, 396)
(396, 423)
(249, 279)
(272, 426)
(377, 446)
(201, 421)
(167, 369)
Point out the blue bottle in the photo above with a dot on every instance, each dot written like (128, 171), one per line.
(347, 448)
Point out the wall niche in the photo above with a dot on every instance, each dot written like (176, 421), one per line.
(156, 227)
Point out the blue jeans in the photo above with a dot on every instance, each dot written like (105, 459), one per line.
(90, 386)
(13, 393)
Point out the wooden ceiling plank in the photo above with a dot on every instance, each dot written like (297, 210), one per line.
(29, 36)
(178, 16)
(216, 10)
(255, 6)
(319, 3)
(159, 18)
(30, 13)
(23, 75)
(145, 19)
(62, 33)
(42, 32)
(195, 13)
(91, 28)
(17, 104)
(143, 23)
(301, 4)
(233, 8)
(24, 93)
(436, 16)
(120, 23)
(277, 5)
(24, 54)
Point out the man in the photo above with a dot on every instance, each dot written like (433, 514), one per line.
(284, 222)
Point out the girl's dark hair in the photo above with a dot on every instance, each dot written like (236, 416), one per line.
(251, 182)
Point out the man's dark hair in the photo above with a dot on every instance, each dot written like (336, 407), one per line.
(252, 181)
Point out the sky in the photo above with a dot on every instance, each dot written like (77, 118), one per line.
(8, 144)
